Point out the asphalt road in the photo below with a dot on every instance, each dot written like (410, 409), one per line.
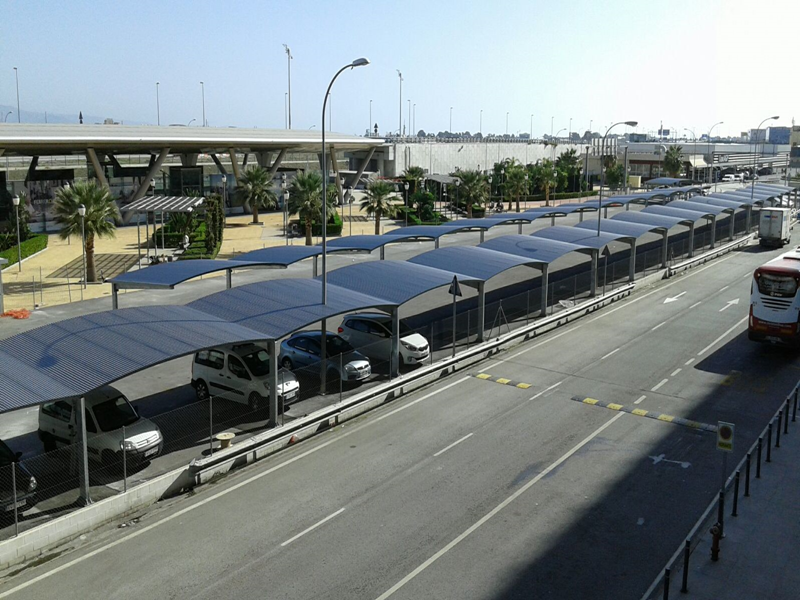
(470, 488)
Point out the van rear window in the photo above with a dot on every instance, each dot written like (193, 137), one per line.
(210, 358)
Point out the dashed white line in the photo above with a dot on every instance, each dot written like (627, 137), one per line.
(675, 372)
(313, 527)
(694, 305)
(397, 586)
(639, 399)
(659, 325)
(614, 351)
(725, 288)
(547, 389)
(688, 362)
(712, 344)
(658, 385)
(456, 443)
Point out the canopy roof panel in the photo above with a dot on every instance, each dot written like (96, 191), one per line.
(168, 275)
(760, 194)
(423, 232)
(360, 243)
(776, 187)
(394, 281)
(700, 207)
(535, 248)
(485, 223)
(654, 221)
(679, 213)
(670, 181)
(280, 256)
(480, 263)
(721, 202)
(628, 229)
(526, 217)
(581, 236)
(737, 198)
(577, 207)
(168, 204)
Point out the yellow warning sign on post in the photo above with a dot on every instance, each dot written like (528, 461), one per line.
(725, 436)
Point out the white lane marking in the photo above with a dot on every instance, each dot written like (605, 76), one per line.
(659, 325)
(712, 344)
(688, 362)
(312, 528)
(747, 276)
(639, 399)
(610, 353)
(542, 343)
(456, 443)
(695, 304)
(725, 288)
(673, 298)
(658, 385)
(675, 372)
(496, 510)
(729, 304)
(219, 494)
(547, 389)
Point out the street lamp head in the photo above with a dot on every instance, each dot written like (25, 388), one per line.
(153, 182)
(225, 178)
(360, 62)
(631, 123)
(15, 200)
(82, 210)
(67, 185)
(774, 118)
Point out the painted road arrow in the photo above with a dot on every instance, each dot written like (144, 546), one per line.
(673, 298)
(729, 304)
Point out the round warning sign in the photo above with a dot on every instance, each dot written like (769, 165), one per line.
(725, 436)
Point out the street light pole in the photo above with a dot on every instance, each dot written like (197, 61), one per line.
(16, 77)
(359, 62)
(755, 158)
(414, 120)
(82, 213)
(289, 58)
(569, 131)
(506, 123)
(531, 134)
(694, 147)
(603, 170)
(369, 129)
(400, 106)
(450, 129)
(15, 200)
(409, 117)
(203, 92)
(711, 158)
(480, 123)
(158, 106)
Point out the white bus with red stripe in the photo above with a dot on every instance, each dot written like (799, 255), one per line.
(775, 302)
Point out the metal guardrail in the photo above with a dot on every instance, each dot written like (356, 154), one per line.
(707, 256)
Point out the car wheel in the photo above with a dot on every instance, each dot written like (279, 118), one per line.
(201, 389)
(286, 363)
(255, 401)
(49, 442)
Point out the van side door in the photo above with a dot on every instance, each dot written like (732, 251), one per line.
(238, 379)
(59, 421)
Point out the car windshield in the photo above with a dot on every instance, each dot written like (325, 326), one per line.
(113, 414)
(257, 362)
(6, 455)
(337, 345)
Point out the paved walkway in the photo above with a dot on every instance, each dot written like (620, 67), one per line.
(760, 551)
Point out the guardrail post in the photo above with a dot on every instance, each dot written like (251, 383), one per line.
(687, 551)
(747, 476)
(210, 425)
(734, 512)
(758, 460)
(778, 431)
(794, 409)
(769, 443)
(14, 497)
(124, 463)
(666, 584)
(721, 512)
(786, 419)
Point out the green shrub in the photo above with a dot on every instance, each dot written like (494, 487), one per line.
(198, 250)
(36, 243)
(334, 226)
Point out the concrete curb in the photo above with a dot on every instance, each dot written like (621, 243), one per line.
(45, 249)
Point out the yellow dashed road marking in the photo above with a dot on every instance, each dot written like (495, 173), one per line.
(640, 412)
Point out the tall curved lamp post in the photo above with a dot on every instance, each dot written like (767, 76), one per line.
(603, 169)
(15, 200)
(711, 168)
(82, 213)
(755, 158)
(694, 148)
(359, 62)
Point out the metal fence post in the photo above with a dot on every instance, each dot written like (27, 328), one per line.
(786, 419)
(528, 312)
(341, 375)
(687, 551)
(778, 431)
(666, 584)
(769, 443)
(721, 512)
(430, 345)
(14, 497)
(758, 457)
(794, 409)
(41, 288)
(747, 476)
(124, 463)
(210, 425)
(33, 291)
(734, 512)
(468, 327)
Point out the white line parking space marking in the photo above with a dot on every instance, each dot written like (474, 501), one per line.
(658, 385)
(219, 494)
(659, 325)
(456, 443)
(496, 510)
(610, 353)
(723, 336)
(675, 372)
(639, 399)
(312, 528)
(694, 305)
(688, 362)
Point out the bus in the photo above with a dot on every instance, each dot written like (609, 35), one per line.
(774, 301)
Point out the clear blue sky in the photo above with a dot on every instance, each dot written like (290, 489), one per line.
(689, 63)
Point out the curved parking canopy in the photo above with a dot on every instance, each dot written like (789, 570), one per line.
(486, 223)
(733, 205)
(366, 243)
(423, 232)
(658, 221)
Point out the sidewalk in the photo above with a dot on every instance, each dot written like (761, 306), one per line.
(760, 551)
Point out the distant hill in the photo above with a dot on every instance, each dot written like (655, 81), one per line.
(39, 117)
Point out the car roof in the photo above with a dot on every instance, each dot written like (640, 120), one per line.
(370, 316)
(312, 334)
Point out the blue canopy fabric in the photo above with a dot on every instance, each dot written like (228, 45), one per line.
(480, 263)
(168, 275)
(394, 281)
(539, 249)
(576, 207)
(581, 236)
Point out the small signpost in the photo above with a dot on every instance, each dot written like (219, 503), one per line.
(725, 436)
(725, 433)
(455, 290)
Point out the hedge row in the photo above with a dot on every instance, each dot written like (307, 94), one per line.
(198, 250)
(36, 243)
(413, 219)
(173, 239)
(334, 228)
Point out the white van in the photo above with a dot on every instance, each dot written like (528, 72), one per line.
(107, 412)
(240, 372)
(728, 178)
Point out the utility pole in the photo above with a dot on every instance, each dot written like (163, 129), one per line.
(16, 77)
(400, 126)
(289, 58)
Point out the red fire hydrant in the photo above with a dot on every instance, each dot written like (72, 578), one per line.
(716, 535)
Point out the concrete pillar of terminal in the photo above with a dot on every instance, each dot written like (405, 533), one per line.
(189, 159)
(228, 278)
(337, 180)
(219, 164)
(713, 231)
(263, 159)
(632, 264)
(79, 406)
(98, 168)
(272, 348)
(114, 297)
(731, 224)
(691, 240)
(277, 163)
(481, 309)
(151, 173)
(323, 357)
(483, 232)
(593, 283)
(664, 249)
(361, 168)
(394, 366)
(543, 311)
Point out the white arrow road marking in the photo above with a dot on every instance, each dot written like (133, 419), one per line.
(729, 304)
(660, 458)
(673, 298)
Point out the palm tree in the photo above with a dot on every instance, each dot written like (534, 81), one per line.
(98, 221)
(474, 189)
(570, 163)
(672, 161)
(516, 183)
(546, 178)
(254, 189)
(414, 175)
(304, 199)
(377, 203)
